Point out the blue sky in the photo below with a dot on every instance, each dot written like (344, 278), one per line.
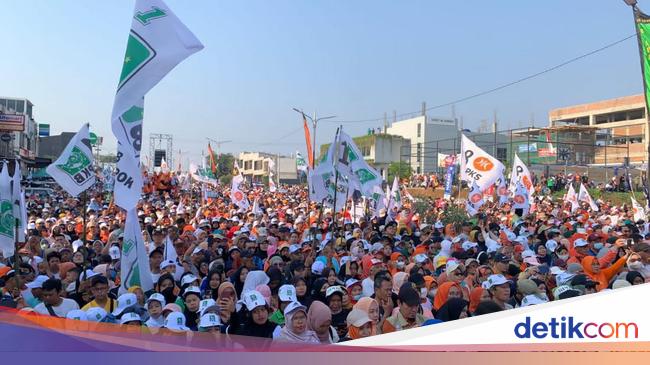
(353, 59)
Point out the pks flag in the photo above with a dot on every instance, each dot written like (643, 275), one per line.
(73, 170)
(134, 263)
(170, 251)
(584, 196)
(256, 207)
(301, 164)
(310, 153)
(236, 195)
(502, 190)
(18, 199)
(572, 198)
(474, 200)
(8, 221)
(157, 42)
(477, 165)
(639, 212)
(520, 199)
(520, 173)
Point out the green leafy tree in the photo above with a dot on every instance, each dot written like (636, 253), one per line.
(401, 169)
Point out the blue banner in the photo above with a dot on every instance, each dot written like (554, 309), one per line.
(449, 179)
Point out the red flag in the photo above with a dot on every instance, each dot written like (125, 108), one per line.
(310, 153)
(213, 165)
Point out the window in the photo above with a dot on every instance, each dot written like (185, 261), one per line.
(636, 114)
(620, 116)
(603, 118)
(11, 104)
(419, 153)
(258, 165)
(419, 129)
(417, 170)
(20, 106)
(502, 153)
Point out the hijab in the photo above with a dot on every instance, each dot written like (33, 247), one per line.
(316, 288)
(632, 275)
(318, 314)
(475, 298)
(225, 285)
(234, 278)
(451, 310)
(253, 279)
(398, 280)
(443, 294)
(364, 305)
(287, 333)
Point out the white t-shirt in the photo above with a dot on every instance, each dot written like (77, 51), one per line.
(61, 310)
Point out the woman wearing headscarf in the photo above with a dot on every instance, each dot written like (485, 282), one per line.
(371, 308)
(253, 279)
(477, 296)
(276, 279)
(238, 278)
(255, 320)
(295, 329)
(318, 289)
(445, 291)
(634, 278)
(602, 276)
(302, 291)
(398, 280)
(359, 325)
(226, 300)
(453, 309)
(320, 321)
(210, 284)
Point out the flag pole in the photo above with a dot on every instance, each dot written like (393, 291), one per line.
(636, 15)
(336, 174)
(84, 201)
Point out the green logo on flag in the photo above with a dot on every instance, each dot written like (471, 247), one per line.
(127, 246)
(365, 175)
(351, 156)
(138, 54)
(134, 114)
(7, 220)
(148, 16)
(78, 166)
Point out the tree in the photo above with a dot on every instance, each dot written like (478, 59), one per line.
(401, 169)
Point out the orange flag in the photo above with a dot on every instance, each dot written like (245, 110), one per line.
(213, 165)
(310, 153)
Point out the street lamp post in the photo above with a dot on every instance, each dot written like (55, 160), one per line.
(314, 123)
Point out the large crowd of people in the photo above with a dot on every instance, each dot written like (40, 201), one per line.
(297, 272)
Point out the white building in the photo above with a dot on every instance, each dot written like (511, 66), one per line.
(255, 166)
(428, 136)
(19, 130)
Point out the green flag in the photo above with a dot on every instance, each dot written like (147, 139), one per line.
(643, 34)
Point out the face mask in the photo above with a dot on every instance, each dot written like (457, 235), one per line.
(423, 293)
(417, 234)
(635, 265)
(563, 257)
(357, 297)
(598, 246)
(169, 295)
(400, 264)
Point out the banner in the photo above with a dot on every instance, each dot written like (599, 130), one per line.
(444, 160)
(157, 42)
(301, 164)
(531, 147)
(18, 199)
(73, 170)
(201, 175)
(477, 165)
(8, 221)
(310, 152)
(450, 162)
(520, 173)
(474, 200)
(134, 263)
(584, 196)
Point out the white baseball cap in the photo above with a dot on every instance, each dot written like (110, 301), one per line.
(124, 301)
(334, 289)
(287, 293)
(156, 297)
(532, 299)
(77, 314)
(421, 258)
(350, 282)
(253, 299)
(166, 263)
(210, 320)
(317, 267)
(495, 280)
(175, 321)
(551, 245)
(555, 270)
(205, 304)
(467, 245)
(130, 317)
(187, 279)
(38, 282)
(96, 314)
(580, 243)
(114, 252)
(292, 307)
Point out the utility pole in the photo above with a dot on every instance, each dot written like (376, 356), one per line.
(314, 124)
(494, 127)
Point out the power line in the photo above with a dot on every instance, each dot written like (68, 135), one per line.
(503, 86)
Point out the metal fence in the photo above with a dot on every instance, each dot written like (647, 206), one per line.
(546, 151)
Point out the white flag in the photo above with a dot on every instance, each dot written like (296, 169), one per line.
(351, 164)
(134, 263)
(170, 251)
(395, 196)
(8, 221)
(378, 200)
(639, 212)
(236, 195)
(73, 170)
(164, 167)
(572, 198)
(301, 164)
(584, 196)
(256, 207)
(520, 199)
(474, 200)
(158, 41)
(272, 187)
(502, 190)
(18, 199)
(520, 173)
(477, 165)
